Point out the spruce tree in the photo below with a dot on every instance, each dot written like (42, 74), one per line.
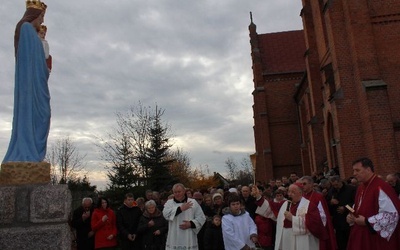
(157, 157)
(121, 173)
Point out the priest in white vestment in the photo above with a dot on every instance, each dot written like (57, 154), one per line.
(185, 219)
(299, 224)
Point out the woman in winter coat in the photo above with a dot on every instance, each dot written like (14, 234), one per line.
(153, 227)
(104, 225)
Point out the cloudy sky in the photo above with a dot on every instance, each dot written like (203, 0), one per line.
(191, 58)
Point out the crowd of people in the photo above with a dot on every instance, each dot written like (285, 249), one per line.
(309, 212)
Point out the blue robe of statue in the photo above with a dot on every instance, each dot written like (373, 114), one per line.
(31, 120)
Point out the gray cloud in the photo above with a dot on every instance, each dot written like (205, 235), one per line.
(191, 58)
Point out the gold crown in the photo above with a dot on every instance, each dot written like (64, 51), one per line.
(36, 4)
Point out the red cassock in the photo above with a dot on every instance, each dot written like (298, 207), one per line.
(328, 241)
(372, 199)
(314, 223)
(265, 230)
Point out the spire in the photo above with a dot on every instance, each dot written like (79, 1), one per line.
(252, 26)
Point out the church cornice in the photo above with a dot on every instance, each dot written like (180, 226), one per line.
(282, 78)
(385, 19)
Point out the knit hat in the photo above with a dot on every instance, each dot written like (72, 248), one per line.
(233, 190)
(216, 195)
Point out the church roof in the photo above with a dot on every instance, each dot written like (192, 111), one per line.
(283, 52)
(221, 178)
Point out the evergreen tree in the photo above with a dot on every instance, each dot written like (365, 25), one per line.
(157, 158)
(121, 173)
(81, 188)
(138, 151)
(82, 185)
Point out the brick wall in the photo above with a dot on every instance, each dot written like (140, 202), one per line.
(347, 104)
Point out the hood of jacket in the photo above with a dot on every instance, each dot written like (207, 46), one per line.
(227, 210)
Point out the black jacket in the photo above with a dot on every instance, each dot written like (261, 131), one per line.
(213, 239)
(82, 228)
(250, 205)
(345, 196)
(127, 220)
(149, 240)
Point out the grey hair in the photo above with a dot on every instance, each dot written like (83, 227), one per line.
(149, 203)
(87, 199)
(178, 185)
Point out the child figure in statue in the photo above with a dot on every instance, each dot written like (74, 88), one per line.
(42, 35)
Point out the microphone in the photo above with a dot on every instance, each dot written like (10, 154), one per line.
(289, 203)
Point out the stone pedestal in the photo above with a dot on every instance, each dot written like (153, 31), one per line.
(35, 217)
(21, 173)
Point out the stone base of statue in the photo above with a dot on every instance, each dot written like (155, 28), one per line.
(33, 213)
(21, 173)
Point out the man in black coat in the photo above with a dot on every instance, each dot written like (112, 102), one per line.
(341, 195)
(248, 201)
(128, 216)
(394, 181)
(81, 222)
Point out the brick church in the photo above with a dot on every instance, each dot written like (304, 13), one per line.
(329, 94)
